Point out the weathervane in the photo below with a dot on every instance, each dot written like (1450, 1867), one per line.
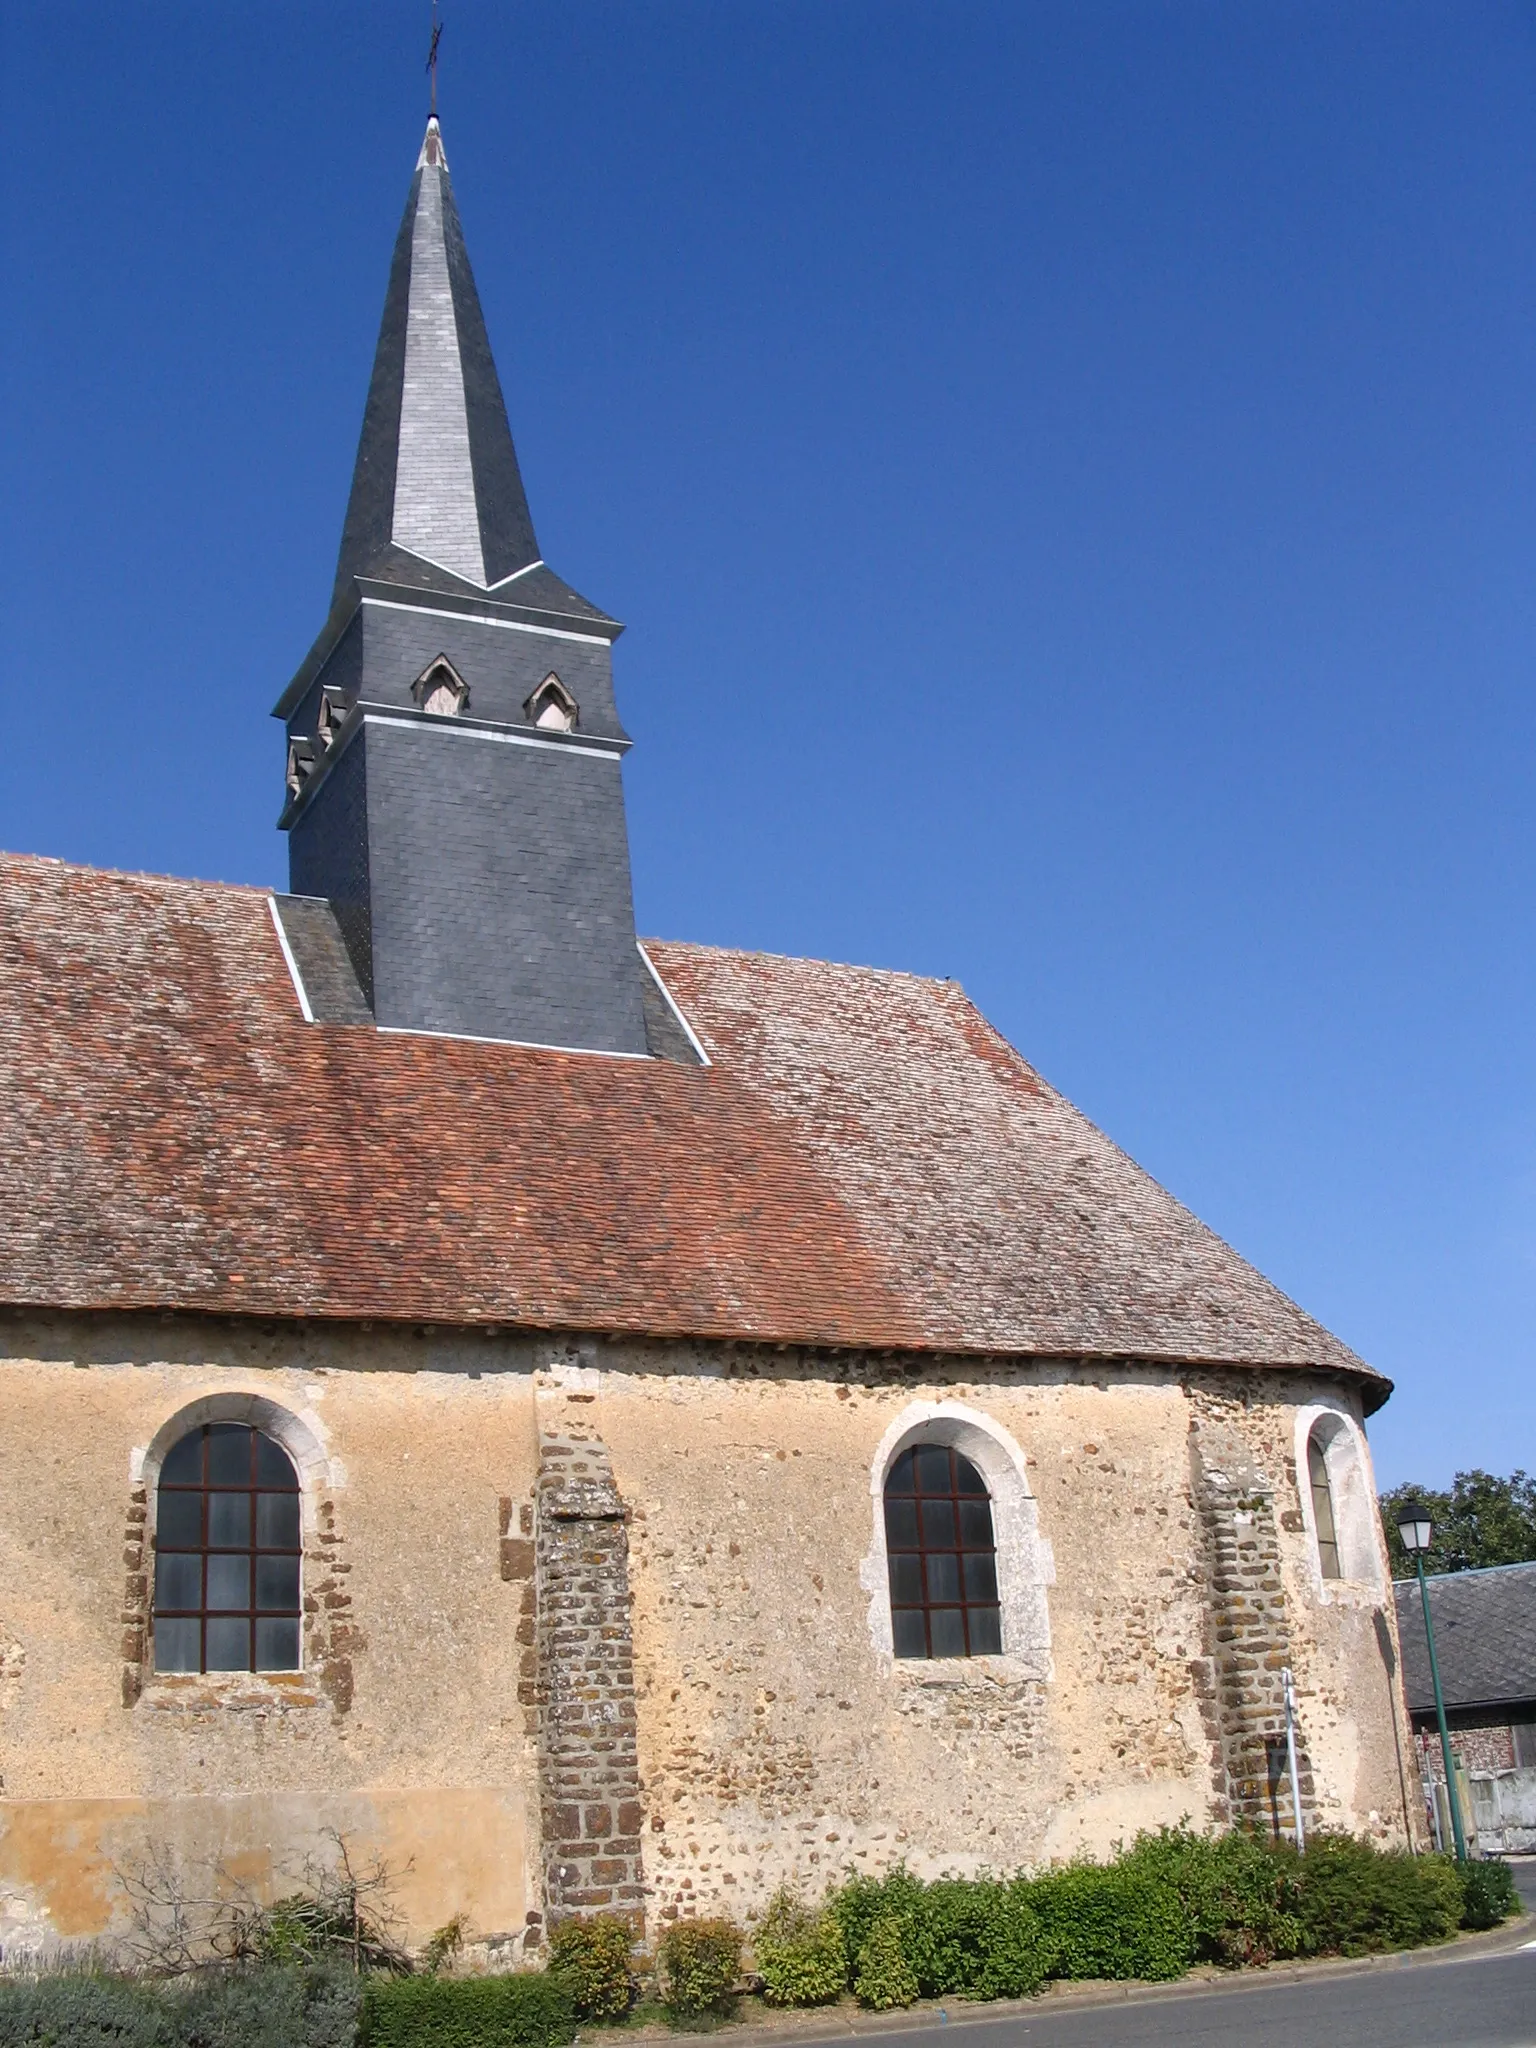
(437, 37)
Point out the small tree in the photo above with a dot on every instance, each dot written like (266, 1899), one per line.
(1483, 1520)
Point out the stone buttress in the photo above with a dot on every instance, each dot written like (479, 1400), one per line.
(1249, 1639)
(589, 1778)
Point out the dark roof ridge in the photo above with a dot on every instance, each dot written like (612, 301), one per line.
(1471, 1571)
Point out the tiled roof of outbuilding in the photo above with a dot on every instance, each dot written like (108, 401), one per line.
(866, 1163)
(1485, 1637)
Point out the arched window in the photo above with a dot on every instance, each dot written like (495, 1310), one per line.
(942, 1556)
(440, 689)
(227, 1551)
(1322, 1505)
(552, 707)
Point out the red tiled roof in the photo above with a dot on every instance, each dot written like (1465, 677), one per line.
(866, 1163)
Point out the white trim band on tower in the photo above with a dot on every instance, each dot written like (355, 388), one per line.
(293, 966)
(453, 729)
(431, 611)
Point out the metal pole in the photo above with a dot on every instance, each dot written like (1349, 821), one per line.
(1289, 1692)
(1451, 1799)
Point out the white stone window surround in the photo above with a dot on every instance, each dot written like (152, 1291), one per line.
(1351, 1481)
(300, 1435)
(1025, 1565)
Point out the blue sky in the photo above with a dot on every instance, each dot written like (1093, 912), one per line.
(1068, 473)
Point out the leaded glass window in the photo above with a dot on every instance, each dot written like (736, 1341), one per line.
(1322, 1508)
(227, 1554)
(942, 1556)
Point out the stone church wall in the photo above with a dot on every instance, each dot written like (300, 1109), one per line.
(603, 1626)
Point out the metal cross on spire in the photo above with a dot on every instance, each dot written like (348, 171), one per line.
(437, 37)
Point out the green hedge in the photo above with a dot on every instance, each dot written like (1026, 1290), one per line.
(268, 2008)
(800, 1953)
(528, 2010)
(1173, 1899)
(1488, 1894)
(1354, 1900)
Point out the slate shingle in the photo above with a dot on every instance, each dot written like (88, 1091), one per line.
(1485, 1637)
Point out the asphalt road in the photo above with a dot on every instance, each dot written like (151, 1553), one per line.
(1470, 2002)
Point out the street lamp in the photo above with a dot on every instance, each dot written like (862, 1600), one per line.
(1415, 1530)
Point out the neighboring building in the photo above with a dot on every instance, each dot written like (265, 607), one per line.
(1485, 1645)
(604, 1427)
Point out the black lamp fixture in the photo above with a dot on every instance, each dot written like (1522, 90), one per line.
(1414, 1527)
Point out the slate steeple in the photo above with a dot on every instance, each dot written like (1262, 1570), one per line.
(437, 480)
(453, 744)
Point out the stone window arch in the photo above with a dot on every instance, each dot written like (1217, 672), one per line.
(1021, 1556)
(230, 1485)
(228, 1551)
(1338, 1501)
(941, 1555)
(552, 707)
(441, 690)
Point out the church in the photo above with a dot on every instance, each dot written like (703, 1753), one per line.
(605, 1425)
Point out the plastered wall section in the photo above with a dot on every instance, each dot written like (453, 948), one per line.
(777, 1738)
(405, 1732)
(1344, 1642)
(780, 1741)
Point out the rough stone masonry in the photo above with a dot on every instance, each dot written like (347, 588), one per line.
(590, 1811)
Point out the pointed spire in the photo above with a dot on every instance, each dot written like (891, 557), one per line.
(437, 481)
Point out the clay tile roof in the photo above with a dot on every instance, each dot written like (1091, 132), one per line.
(866, 1163)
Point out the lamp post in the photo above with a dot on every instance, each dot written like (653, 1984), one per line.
(1415, 1529)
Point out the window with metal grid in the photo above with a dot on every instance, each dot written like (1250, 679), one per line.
(1322, 1508)
(942, 1556)
(227, 1553)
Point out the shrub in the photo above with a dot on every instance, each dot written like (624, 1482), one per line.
(1112, 1920)
(1488, 1894)
(700, 1961)
(884, 1977)
(533, 2009)
(1353, 1899)
(268, 2009)
(976, 1937)
(444, 1945)
(592, 1957)
(1014, 1960)
(73, 2010)
(245, 2009)
(800, 1953)
(1231, 1888)
(861, 1901)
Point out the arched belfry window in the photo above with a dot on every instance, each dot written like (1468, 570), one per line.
(227, 1553)
(942, 1556)
(441, 690)
(552, 707)
(1323, 1518)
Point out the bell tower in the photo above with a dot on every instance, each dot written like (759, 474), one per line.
(454, 750)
